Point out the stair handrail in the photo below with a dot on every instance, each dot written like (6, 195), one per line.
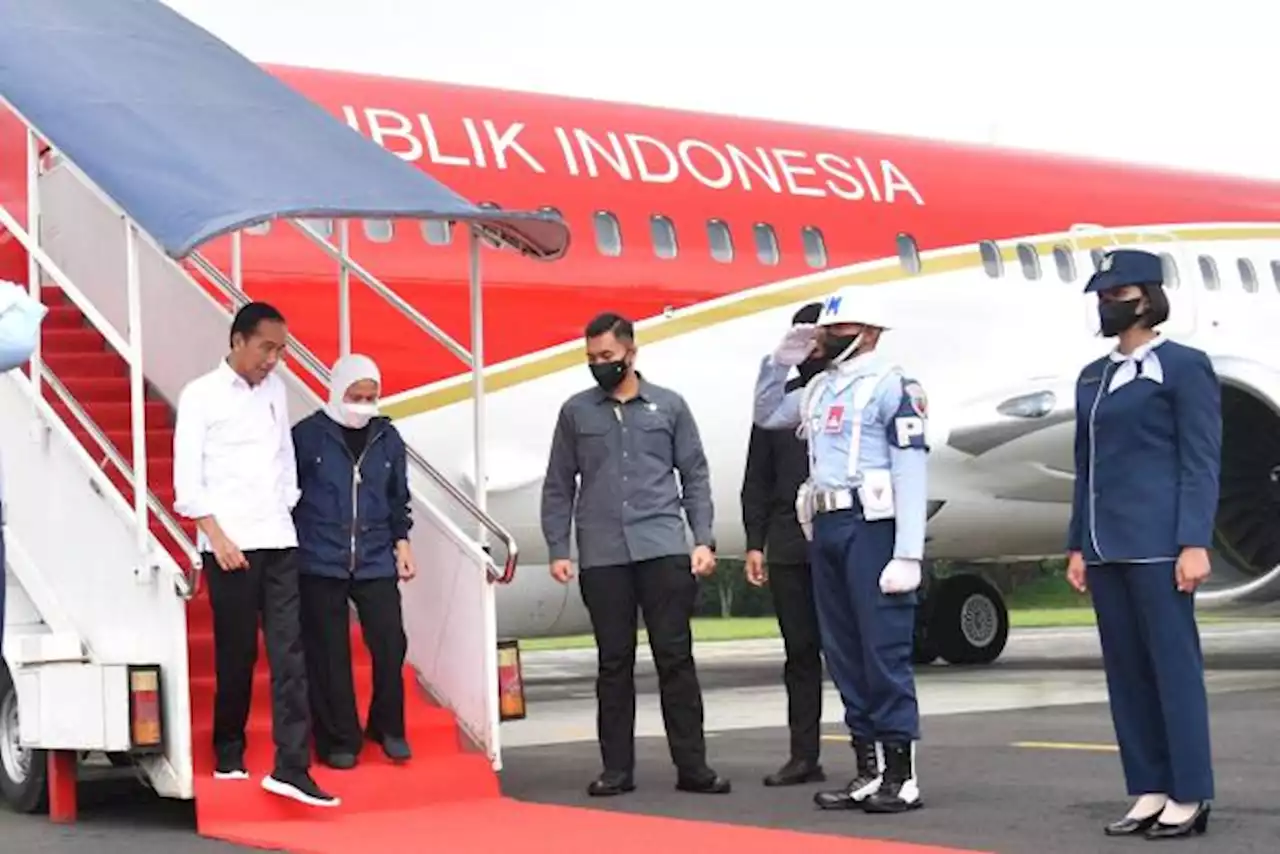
(387, 295)
(185, 588)
(322, 374)
(187, 585)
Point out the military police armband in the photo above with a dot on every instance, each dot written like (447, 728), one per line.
(907, 427)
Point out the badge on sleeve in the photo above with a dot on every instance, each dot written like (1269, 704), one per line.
(907, 429)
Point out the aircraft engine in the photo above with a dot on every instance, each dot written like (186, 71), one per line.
(1247, 534)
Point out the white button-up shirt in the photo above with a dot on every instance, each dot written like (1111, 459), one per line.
(233, 459)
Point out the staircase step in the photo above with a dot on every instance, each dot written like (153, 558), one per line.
(93, 389)
(63, 316)
(85, 339)
(69, 367)
(110, 415)
(122, 440)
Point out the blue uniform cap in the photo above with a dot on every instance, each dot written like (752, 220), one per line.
(1122, 267)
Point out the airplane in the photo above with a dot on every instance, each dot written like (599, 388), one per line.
(709, 231)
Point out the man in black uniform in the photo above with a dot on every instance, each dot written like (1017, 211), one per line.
(777, 463)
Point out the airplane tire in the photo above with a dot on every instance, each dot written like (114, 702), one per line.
(968, 620)
(24, 772)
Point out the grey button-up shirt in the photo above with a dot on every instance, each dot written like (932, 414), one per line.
(627, 505)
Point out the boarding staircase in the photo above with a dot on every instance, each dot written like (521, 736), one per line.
(102, 578)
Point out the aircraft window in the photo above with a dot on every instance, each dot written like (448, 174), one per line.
(1275, 273)
(1209, 272)
(555, 212)
(437, 232)
(264, 228)
(322, 226)
(608, 234)
(1096, 255)
(378, 230)
(1248, 276)
(664, 236)
(1170, 271)
(1066, 263)
(766, 243)
(992, 260)
(908, 253)
(721, 240)
(815, 249)
(1030, 260)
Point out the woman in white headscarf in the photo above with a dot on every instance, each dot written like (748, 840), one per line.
(353, 536)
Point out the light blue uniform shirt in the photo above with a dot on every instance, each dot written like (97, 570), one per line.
(893, 436)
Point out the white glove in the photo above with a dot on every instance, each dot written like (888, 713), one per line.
(900, 576)
(796, 345)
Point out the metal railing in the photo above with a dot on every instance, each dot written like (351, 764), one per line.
(187, 585)
(320, 372)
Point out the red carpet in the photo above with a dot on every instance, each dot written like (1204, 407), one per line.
(503, 825)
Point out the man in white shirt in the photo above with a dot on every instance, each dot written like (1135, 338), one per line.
(235, 474)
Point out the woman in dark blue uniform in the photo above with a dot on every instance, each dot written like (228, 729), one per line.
(1147, 456)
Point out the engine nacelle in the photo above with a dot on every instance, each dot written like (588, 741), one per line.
(1246, 536)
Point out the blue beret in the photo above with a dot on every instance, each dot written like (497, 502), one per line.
(1122, 267)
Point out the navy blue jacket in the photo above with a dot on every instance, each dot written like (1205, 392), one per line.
(1147, 459)
(348, 529)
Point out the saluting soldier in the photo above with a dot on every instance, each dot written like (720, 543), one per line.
(865, 506)
(1147, 458)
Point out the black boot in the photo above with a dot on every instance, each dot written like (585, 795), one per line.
(861, 786)
(899, 792)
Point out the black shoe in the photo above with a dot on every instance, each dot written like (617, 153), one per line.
(340, 760)
(611, 783)
(898, 790)
(1131, 826)
(795, 772)
(706, 783)
(860, 787)
(1197, 823)
(396, 749)
(299, 786)
(229, 763)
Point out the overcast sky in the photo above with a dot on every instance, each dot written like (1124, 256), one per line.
(1127, 79)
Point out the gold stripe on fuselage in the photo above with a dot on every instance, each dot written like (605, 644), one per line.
(804, 288)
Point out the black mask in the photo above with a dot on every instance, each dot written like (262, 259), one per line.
(609, 374)
(834, 345)
(1116, 317)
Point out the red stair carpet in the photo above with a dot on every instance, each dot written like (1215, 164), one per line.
(447, 799)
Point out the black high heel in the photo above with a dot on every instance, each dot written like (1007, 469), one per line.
(1198, 823)
(1131, 826)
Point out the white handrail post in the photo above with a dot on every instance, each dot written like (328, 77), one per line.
(34, 274)
(137, 398)
(344, 289)
(477, 378)
(237, 263)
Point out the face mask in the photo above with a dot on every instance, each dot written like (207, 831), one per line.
(834, 345)
(1116, 317)
(357, 415)
(609, 374)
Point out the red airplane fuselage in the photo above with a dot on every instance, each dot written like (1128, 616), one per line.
(649, 195)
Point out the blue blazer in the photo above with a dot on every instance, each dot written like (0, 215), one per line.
(348, 528)
(1147, 460)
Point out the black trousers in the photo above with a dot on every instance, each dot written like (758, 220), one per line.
(268, 587)
(665, 590)
(792, 588)
(326, 631)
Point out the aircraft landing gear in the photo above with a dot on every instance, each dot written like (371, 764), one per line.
(962, 619)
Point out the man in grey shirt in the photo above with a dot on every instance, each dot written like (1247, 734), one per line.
(626, 439)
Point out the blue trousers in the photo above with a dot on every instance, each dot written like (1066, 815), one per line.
(1155, 678)
(867, 636)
